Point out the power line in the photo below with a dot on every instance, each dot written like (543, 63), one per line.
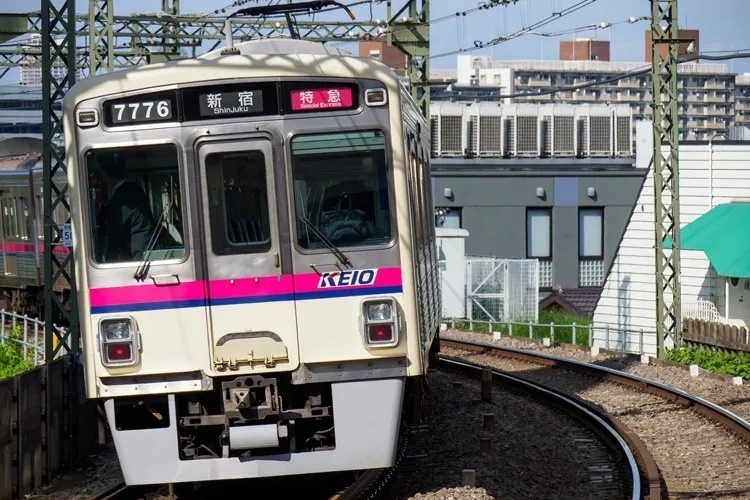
(495, 41)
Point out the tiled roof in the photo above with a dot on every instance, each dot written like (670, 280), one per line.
(581, 301)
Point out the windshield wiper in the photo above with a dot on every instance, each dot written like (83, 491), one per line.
(142, 270)
(322, 237)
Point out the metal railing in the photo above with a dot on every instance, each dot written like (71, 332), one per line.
(25, 331)
(630, 341)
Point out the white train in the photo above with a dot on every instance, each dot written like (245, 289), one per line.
(255, 258)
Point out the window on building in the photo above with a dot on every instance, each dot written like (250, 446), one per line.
(591, 247)
(539, 242)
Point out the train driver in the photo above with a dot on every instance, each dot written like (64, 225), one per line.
(126, 217)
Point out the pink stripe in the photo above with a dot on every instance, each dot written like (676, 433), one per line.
(387, 276)
(251, 287)
(228, 288)
(10, 246)
(146, 293)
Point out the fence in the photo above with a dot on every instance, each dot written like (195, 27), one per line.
(26, 331)
(701, 309)
(490, 289)
(603, 336)
(44, 428)
(701, 333)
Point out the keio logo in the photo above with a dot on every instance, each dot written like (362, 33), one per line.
(357, 277)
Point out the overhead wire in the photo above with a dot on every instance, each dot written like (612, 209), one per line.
(533, 26)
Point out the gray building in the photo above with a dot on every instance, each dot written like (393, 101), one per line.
(568, 213)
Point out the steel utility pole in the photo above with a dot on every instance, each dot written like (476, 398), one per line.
(665, 33)
(58, 51)
(116, 42)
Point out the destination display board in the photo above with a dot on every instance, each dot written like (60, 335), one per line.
(317, 97)
(234, 100)
(321, 99)
(230, 101)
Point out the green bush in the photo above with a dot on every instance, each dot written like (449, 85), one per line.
(735, 364)
(12, 361)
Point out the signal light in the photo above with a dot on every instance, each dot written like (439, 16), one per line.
(379, 333)
(119, 352)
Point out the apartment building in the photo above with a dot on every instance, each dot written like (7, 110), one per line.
(706, 92)
(742, 100)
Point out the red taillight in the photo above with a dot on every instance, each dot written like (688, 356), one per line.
(380, 333)
(119, 351)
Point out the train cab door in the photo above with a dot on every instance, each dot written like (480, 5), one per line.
(251, 311)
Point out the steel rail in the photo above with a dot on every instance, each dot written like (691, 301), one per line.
(733, 423)
(596, 419)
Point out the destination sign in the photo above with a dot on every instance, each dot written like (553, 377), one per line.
(152, 108)
(225, 104)
(321, 99)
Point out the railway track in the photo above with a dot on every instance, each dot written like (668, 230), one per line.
(604, 456)
(699, 449)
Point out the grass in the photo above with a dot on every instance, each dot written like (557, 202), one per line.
(562, 331)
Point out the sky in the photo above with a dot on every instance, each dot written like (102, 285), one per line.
(719, 21)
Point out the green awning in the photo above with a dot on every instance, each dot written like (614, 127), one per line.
(723, 234)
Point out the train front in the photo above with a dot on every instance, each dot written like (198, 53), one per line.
(249, 308)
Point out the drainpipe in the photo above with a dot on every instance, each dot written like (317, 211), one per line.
(726, 299)
(710, 206)
(711, 167)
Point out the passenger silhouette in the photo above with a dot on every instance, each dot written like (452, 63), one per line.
(127, 217)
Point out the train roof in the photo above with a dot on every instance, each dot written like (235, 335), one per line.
(20, 152)
(269, 58)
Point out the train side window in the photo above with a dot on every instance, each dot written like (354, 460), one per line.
(10, 229)
(341, 187)
(135, 204)
(39, 207)
(238, 202)
(24, 210)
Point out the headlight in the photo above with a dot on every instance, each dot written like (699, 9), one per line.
(118, 329)
(379, 311)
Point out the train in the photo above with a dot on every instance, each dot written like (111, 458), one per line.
(22, 228)
(255, 259)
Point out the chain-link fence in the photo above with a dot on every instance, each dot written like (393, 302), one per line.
(491, 289)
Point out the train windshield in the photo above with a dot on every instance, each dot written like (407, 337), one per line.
(135, 204)
(238, 202)
(341, 187)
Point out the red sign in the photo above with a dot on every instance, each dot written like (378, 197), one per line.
(321, 99)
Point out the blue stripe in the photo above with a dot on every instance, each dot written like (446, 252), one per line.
(148, 306)
(184, 304)
(347, 292)
(231, 301)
